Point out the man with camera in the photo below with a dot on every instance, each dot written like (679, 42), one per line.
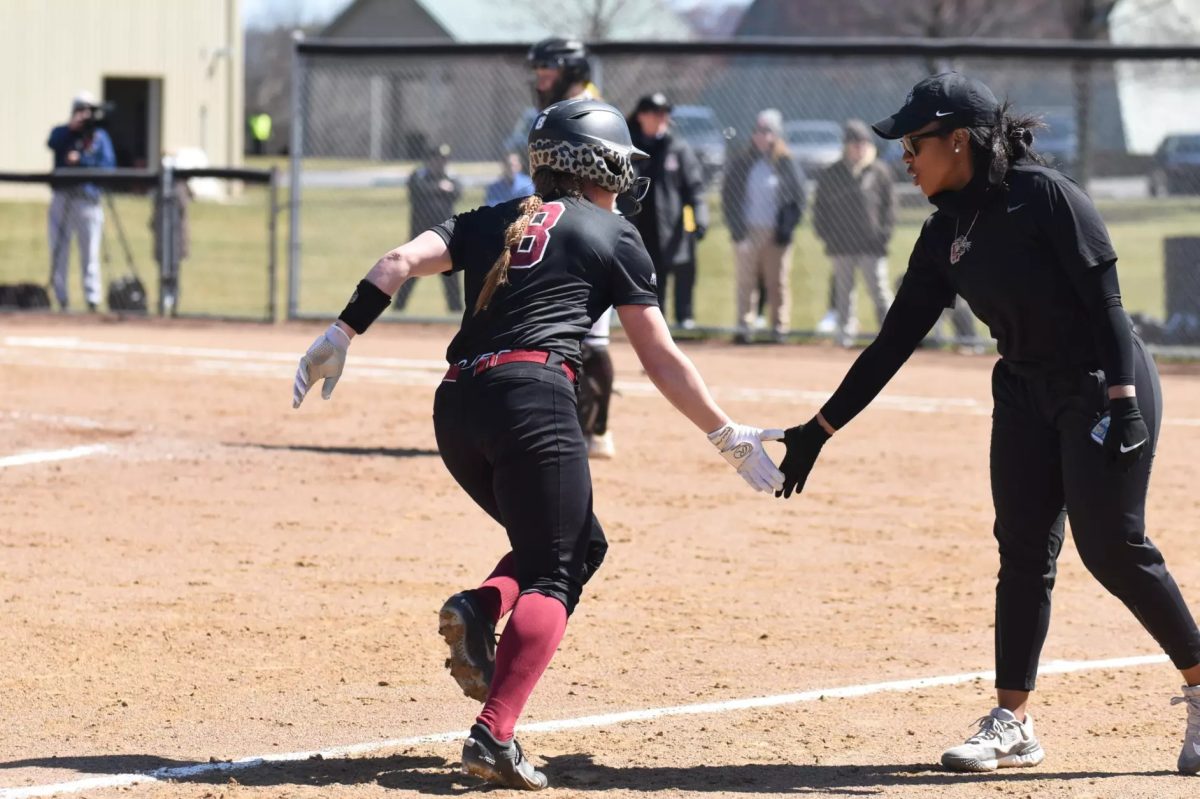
(75, 210)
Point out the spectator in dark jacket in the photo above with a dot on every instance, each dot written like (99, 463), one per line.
(432, 194)
(763, 199)
(853, 214)
(676, 183)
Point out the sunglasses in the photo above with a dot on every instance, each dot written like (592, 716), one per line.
(909, 142)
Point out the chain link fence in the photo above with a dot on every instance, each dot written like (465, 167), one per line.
(371, 116)
(193, 243)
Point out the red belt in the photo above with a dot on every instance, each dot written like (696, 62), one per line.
(485, 362)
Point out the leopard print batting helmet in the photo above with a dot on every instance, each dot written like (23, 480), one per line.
(588, 139)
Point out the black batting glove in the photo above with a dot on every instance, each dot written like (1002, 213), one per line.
(1127, 439)
(803, 444)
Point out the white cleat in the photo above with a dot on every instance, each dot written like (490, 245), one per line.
(1000, 742)
(1189, 757)
(601, 447)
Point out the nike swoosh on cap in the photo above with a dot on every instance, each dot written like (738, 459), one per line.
(1125, 449)
(1012, 208)
(942, 113)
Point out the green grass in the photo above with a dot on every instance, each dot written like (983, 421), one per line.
(344, 231)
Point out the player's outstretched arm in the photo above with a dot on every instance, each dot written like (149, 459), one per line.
(677, 379)
(427, 254)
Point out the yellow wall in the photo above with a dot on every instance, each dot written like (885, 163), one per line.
(51, 49)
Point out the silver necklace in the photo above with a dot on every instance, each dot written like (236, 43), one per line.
(960, 245)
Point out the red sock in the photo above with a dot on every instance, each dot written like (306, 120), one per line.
(499, 591)
(526, 648)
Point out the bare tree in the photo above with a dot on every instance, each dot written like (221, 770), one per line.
(597, 19)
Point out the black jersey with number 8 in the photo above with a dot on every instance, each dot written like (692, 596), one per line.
(574, 262)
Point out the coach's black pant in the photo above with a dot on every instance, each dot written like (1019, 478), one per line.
(1046, 467)
(510, 436)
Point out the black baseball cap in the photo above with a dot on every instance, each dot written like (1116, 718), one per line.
(653, 102)
(960, 101)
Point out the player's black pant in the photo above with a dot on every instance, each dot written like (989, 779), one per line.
(511, 439)
(595, 389)
(1045, 467)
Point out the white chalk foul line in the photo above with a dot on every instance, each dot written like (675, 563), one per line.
(417, 372)
(603, 720)
(48, 456)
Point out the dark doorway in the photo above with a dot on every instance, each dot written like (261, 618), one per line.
(136, 124)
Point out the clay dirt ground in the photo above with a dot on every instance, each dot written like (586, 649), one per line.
(230, 578)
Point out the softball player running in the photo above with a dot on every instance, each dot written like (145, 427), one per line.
(1077, 400)
(539, 270)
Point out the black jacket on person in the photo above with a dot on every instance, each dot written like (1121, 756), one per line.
(854, 214)
(676, 180)
(791, 198)
(430, 203)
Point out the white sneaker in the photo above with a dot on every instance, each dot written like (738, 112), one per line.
(1001, 742)
(828, 324)
(1189, 758)
(601, 447)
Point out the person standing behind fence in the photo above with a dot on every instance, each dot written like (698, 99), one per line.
(763, 198)
(432, 193)
(512, 183)
(853, 214)
(676, 183)
(75, 209)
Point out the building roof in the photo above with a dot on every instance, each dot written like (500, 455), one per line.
(492, 21)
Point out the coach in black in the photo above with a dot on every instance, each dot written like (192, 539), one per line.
(1077, 401)
(539, 271)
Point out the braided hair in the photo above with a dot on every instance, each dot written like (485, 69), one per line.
(547, 183)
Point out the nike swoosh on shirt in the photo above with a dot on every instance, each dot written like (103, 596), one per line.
(942, 113)
(1012, 208)
(1125, 449)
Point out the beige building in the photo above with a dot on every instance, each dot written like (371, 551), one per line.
(172, 67)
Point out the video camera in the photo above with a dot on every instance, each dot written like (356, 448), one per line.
(98, 116)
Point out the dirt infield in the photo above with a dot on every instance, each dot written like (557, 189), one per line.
(218, 577)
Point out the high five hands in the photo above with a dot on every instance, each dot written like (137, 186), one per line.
(803, 444)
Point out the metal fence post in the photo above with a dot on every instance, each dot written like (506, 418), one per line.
(166, 232)
(273, 244)
(296, 151)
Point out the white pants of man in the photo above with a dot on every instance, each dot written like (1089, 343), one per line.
(875, 275)
(75, 215)
(760, 257)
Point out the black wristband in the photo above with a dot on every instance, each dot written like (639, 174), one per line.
(366, 304)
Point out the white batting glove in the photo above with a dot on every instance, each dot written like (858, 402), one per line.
(742, 446)
(325, 359)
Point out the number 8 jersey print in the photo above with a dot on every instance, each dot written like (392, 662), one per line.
(574, 261)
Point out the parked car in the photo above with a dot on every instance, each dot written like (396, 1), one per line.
(1058, 142)
(698, 126)
(815, 143)
(1176, 165)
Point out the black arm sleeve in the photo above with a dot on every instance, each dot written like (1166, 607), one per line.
(1101, 294)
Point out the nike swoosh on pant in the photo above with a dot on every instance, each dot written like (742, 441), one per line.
(1125, 449)
(1196, 747)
